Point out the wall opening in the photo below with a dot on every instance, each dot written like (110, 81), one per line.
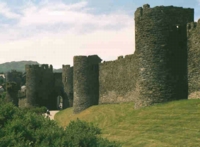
(59, 102)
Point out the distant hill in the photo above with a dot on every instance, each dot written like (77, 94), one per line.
(18, 65)
(57, 70)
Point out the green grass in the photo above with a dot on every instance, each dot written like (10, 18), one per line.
(175, 123)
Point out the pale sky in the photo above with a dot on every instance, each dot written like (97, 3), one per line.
(53, 31)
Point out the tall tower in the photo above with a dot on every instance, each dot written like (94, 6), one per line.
(40, 86)
(85, 81)
(32, 83)
(161, 48)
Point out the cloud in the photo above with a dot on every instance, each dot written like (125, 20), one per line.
(55, 32)
(75, 14)
(6, 12)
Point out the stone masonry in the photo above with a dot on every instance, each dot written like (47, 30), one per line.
(164, 67)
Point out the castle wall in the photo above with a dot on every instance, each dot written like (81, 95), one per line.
(85, 82)
(117, 80)
(164, 67)
(32, 79)
(67, 80)
(194, 59)
(161, 47)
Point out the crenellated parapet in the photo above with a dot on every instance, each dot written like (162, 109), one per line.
(191, 26)
(166, 10)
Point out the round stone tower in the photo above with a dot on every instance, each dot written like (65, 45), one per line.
(67, 79)
(32, 75)
(85, 82)
(81, 86)
(161, 49)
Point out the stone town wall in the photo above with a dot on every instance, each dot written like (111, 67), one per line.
(165, 64)
(117, 80)
(193, 29)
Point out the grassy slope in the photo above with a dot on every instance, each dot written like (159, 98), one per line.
(172, 124)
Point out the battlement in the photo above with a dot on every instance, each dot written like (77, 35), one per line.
(94, 59)
(90, 60)
(46, 66)
(193, 25)
(39, 67)
(120, 57)
(166, 10)
(65, 66)
(32, 66)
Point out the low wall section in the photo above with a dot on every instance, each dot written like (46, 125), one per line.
(117, 80)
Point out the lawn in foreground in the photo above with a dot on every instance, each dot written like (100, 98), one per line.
(175, 123)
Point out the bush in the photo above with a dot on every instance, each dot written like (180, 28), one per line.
(3, 95)
(24, 127)
(37, 110)
(83, 134)
(32, 129)
(7, 112)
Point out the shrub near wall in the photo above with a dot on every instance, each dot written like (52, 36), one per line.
(22, 127)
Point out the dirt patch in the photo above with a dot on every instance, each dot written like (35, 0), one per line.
(52, 114)
(194, 95)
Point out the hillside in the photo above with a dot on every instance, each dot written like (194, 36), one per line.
(18, 65)
(57, 70)
(170, 124)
